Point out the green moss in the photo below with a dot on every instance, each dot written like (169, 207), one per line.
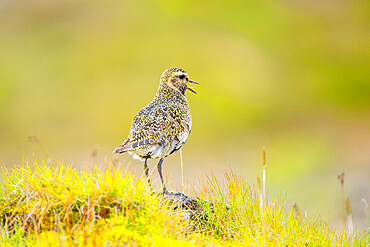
(59, 206)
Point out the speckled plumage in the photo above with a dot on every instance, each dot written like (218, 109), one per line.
(163, 126)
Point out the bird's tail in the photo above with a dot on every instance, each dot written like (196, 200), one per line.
(124, 147)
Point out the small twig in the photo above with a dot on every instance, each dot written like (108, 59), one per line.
(264, 174)
(264, 202)
(366, 206)
(296, 210)
(341, 181)
(39, 143)
(347, 219)
(259, 186)
(94, 154)
(349, 215)
(182, 173)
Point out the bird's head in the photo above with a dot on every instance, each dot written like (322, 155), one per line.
(177, 79)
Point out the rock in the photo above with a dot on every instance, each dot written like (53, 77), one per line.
(193, 208)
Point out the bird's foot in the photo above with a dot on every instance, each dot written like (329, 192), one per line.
(165, 191)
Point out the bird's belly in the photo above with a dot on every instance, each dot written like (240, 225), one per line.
(162, 149)
(155, 151)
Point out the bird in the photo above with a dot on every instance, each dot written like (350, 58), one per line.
(163, 126)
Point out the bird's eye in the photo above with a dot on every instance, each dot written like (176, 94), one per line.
(182, 76)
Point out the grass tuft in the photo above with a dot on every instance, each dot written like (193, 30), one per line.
(58, 206)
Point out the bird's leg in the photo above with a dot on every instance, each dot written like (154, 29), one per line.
(146, 170)
(160, 174)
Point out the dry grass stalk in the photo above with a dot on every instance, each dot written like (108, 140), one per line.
(182, 173)
(41, 146)
(347, 219)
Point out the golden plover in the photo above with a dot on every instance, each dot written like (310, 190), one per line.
(162, 127)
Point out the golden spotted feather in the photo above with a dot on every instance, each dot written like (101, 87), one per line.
(163, 126)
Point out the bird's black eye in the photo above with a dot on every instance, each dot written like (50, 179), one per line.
(182, 76)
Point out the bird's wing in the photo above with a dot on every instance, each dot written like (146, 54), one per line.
(145, 129)
(153, 124)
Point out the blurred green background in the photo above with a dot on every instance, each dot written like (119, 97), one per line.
(292, 76)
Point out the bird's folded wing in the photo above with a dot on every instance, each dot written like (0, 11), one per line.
(145, 130)
(151, 126)
(142, 138)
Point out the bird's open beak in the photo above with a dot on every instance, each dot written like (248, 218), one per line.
(191, 88)
(191, 81)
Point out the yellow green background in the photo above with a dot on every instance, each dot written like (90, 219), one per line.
(290, 76)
